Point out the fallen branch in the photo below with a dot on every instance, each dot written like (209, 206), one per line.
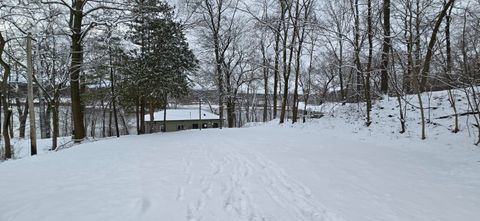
(461, 114)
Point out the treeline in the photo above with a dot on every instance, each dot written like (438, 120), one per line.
(114, 57)
(356, 50)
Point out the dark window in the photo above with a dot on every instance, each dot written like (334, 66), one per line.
(180, 127)
(194, 126)
(204, 125)
(215, 125)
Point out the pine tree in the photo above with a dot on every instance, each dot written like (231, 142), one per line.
(158, 67)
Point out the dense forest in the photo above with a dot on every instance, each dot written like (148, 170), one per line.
(90, 65)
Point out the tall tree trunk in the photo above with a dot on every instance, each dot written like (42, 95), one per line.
(10, 127)
(451, 95)
(448, 49)
(48, 115)
(56, 120)
(307, 5)
(112, 90)
(22, 117)
(231, 111)
(340, 68)
(67, 123)
(357, 61)
(276, 69)
(307, 88)
(297, 76)
(248, 113)
(386, 47)
(165, 105)
(300, 35)
(286, 74)
(265, 81)
(6, 129)
(142, 115)
(401, 112)
(215, 17)
(417, 62)
(0, 112)
(290, 58)
(104, 118)
(41, 115)
(75, 71)
(408, 34)
(6, 110)
(6, 121)
(93, 122)
(219, 71)
(137, 114)
(428, 57)
(265, 98)
(368, 97)
(110, 129)
(420, 77)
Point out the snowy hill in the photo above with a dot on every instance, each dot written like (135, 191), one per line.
(333, 168)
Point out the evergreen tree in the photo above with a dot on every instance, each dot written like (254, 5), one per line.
(158, 66)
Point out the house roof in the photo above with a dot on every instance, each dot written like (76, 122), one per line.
(182, 114)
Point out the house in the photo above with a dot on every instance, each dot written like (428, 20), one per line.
(181, 119)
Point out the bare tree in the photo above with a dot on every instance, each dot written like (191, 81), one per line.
(386, 47)
(80, 26)
(339, 17)
(6, 110)
(419, 84)
(213, 17)
(284, 8)
(305, 19)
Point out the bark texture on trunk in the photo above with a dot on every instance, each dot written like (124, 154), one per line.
(75, 72)
(4, 100)
(22, 117)
(433, 39)
(386, 47)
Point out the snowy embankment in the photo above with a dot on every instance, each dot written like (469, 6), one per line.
(21, 147)
(328, 169)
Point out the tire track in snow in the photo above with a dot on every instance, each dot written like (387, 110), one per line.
(187, 171)
(283, 189)
(205, 187)
(235, 175)
(236, 195)
(289, 193)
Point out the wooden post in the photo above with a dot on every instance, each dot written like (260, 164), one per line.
(31, 107)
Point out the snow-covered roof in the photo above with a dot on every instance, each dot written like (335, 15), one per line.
(182, 114)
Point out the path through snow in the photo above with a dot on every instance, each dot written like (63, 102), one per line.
(260, 173)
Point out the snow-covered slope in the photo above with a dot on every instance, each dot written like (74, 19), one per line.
(316, 171)
(333, 168)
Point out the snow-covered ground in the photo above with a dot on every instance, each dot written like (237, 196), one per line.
(21, 147)
(333, 168)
